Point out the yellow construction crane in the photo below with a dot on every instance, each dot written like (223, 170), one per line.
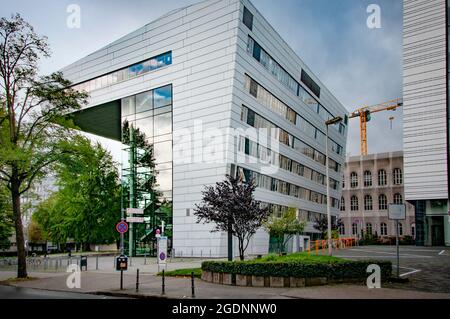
(365, 113)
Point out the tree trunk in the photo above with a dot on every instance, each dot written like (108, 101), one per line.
(241, 249)
(20, 241)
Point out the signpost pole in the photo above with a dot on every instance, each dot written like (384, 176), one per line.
(398, 252)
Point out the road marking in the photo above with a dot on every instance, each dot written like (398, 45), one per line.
(407, 273)
(385, 252)
(441, 253)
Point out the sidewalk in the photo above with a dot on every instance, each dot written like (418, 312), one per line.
(150, 287)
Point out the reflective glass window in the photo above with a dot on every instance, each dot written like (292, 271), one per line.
(162, 96)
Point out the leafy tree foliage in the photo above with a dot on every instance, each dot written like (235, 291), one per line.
(321, 224)
(86, 206)
(231, 206)
(33, 117)
(6, 223)
(284, 228)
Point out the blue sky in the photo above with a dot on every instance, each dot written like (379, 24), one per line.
(360, 66)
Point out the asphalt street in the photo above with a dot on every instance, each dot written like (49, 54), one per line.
(9, 292)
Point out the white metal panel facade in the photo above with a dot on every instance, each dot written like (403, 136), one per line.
(425, 102)
(209, 60)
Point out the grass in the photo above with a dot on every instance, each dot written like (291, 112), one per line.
(297, 257)
(183, 273)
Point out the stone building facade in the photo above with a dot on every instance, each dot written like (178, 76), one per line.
(371, 183)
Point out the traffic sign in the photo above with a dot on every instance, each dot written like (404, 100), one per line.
(135, 211)
(158, 233)
(135, 220)
(122, 227)
(397, 211)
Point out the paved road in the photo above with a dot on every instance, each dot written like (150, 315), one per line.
(8, 292)
(427, 268)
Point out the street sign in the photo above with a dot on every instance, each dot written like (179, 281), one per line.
(158, 233)
(137, 220)
(162, 250)
(122, 227)
(135, 211)
(397, 211)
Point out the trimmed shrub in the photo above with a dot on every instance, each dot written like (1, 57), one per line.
(345, 269)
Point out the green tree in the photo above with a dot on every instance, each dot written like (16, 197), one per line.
(284, 228)
(32, 116)
(86, 206)
(231, 206)
(6, 223)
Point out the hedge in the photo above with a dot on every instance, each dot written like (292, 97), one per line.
(351, 269)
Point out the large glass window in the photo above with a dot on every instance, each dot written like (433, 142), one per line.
(367, 179)
(248, 18)
(398, 199)
(126, 73)
(382, 178)
(368, 204)
(144, 102)
(382, 202)
(163, 124)
(354, 205)
(342, 204)
(163, 152)
(398, 176)
(353, 180)
(162, 96)
(383, 229)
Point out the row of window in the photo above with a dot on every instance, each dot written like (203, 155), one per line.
(275, 105)
(257, 121)
(303, 215)
(382, 178)
(368, 202)
(282, 187)
(126, 73)
(270, 157)
(369, 229)
(287, 80)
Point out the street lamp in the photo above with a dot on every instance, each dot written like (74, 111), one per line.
(333, 121)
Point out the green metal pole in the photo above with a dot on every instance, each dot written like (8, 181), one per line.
(132, 182)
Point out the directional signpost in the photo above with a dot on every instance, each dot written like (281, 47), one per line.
(397, 212)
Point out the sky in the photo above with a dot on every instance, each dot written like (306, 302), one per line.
(359, 65)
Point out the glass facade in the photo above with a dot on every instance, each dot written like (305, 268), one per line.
(289, 82)
(268, 156)
(127, 73)
(147, 164)
(284, 188)
(255, 120)
(277, 106)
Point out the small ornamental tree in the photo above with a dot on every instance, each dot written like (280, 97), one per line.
(321, 224)
(284, 228)
(231, 206)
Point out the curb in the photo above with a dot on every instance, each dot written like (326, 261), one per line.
(132, 295)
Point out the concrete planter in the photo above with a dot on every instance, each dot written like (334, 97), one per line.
(277, 282)
(258, 281)
(243, 280)
(297, 282)
(207, 276)
(316, 281)
(217, 278)
(227, 279)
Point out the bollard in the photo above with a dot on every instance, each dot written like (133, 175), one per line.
(193, 287)
(96, 263)
(163, 286)
(121, 279)
(137, 280)
(145, 258)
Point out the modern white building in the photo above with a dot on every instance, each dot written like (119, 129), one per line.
(193, 81)
(426, 117)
